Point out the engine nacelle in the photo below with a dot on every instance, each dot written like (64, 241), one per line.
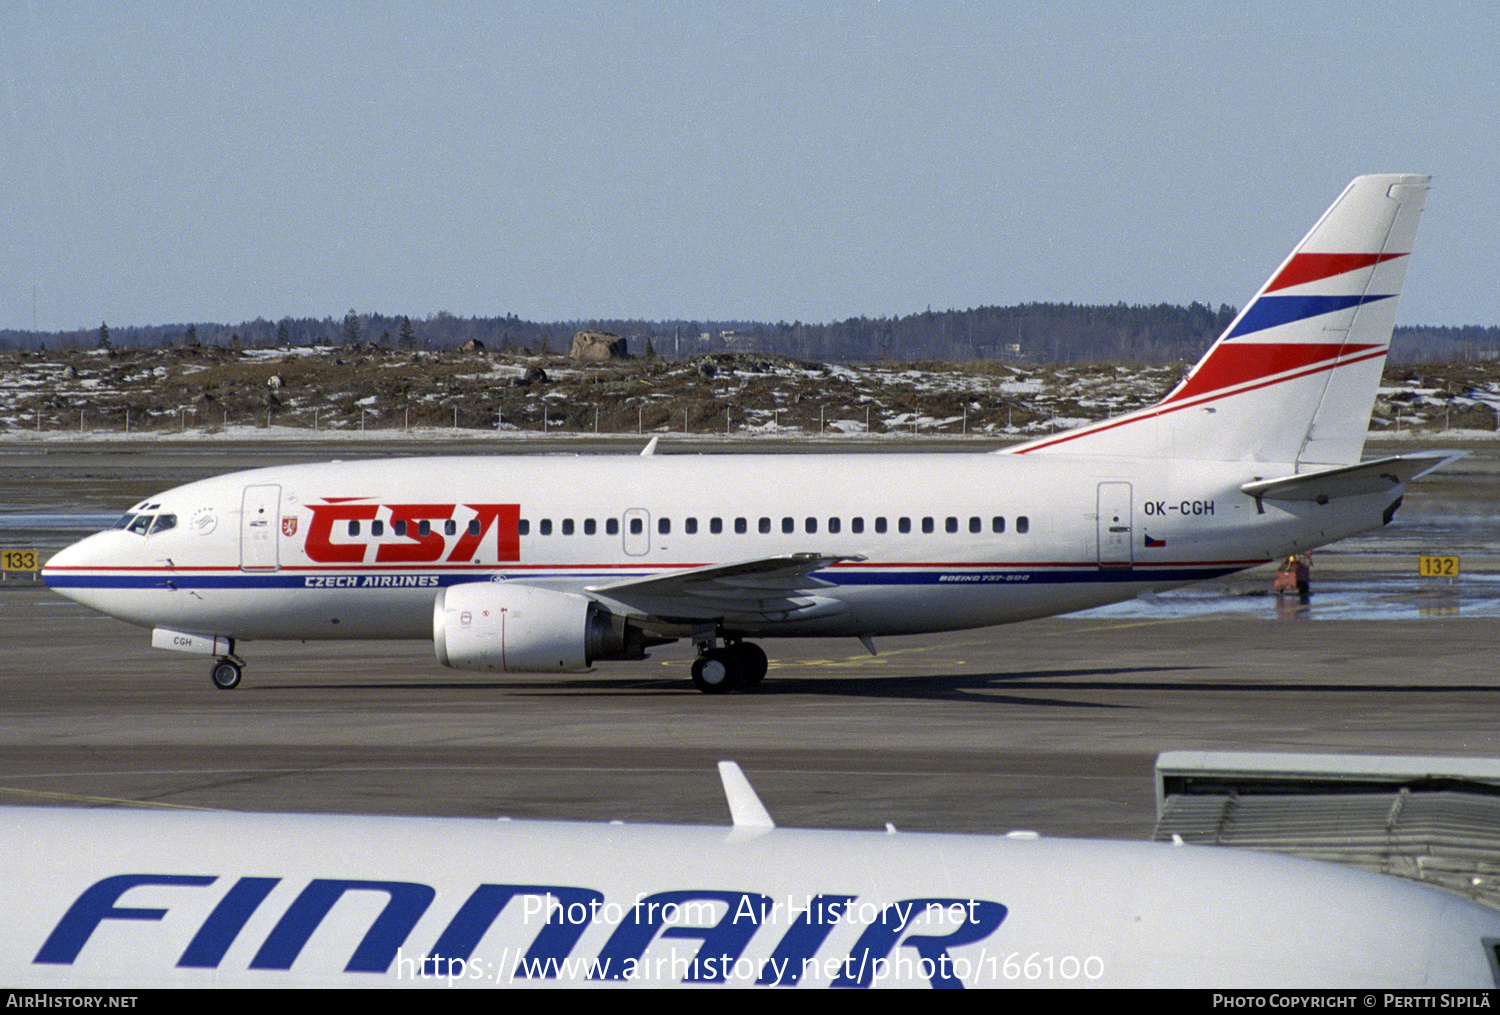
(519, 628)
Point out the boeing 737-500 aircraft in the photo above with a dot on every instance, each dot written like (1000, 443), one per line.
(552, 564)
(108, 898)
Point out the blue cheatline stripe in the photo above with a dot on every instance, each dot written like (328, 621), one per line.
(274, 580)
(955, 579)
(1050, 576)
(1271, 311)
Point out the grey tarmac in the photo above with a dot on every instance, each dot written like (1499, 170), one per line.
(1050, 725)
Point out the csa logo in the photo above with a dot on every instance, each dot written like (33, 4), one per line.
(289, 525)
(419, 536)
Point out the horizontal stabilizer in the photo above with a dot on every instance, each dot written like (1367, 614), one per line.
(1352, 480)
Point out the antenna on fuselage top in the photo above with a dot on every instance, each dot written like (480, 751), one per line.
(745, 808)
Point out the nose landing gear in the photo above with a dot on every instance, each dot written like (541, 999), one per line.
(226, 672)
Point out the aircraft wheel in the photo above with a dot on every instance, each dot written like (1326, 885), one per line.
(226, 675)
(753, 664)
(717, 672)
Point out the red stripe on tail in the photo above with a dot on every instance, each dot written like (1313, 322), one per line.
(1238, 362)
(1305, 268)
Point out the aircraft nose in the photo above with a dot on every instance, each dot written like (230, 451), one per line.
(63, 565)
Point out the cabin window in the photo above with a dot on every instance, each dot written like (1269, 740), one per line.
(473, 526)
(450, 528)
(523, 527)
(765, 526)
(856, 525)
(567, 526)
(880, 524)
(424, 527)
(544, 527)
(1023, 524)
(354, 528)
(810, 526)
(690, 526)
(833, 525)
(741, 526)
(788, 525)
(664, 526)
(975, 524)
(997, 524)
(950, 525)
(637, 526)
(611, 526)
(903, 525)
(716, 525)
(589, 527)
(927, 525)
(377, 528)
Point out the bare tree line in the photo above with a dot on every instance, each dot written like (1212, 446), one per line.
(1051, 333)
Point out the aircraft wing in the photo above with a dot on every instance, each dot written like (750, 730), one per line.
(748, 591)
(1351, 480)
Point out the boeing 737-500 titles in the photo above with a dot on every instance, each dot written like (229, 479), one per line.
(545, 564)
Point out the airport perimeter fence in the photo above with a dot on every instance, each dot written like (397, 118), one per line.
(642, 420)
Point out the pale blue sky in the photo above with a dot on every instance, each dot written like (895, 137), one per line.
(170, 162)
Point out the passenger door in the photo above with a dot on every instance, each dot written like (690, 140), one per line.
(260, 509)
(1116, 544)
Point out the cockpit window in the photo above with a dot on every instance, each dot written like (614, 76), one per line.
(125, 520)
(144, 524)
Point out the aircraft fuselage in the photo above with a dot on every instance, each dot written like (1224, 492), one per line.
(358, 549)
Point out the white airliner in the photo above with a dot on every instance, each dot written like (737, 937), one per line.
(550, 564)
(133, 899)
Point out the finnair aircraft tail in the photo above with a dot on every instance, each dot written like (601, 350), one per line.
(129, 899)
(1294, 376)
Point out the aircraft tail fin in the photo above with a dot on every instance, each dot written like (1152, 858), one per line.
(1293, 378)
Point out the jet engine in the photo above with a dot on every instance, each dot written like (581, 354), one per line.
(519, 628)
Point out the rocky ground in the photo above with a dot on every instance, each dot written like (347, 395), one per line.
(208, 389)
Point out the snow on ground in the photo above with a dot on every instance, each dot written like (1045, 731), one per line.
(301, 392)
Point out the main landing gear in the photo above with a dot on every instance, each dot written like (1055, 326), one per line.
(226, 672)
(739, 665)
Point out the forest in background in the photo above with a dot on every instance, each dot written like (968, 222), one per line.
(1037, 333)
